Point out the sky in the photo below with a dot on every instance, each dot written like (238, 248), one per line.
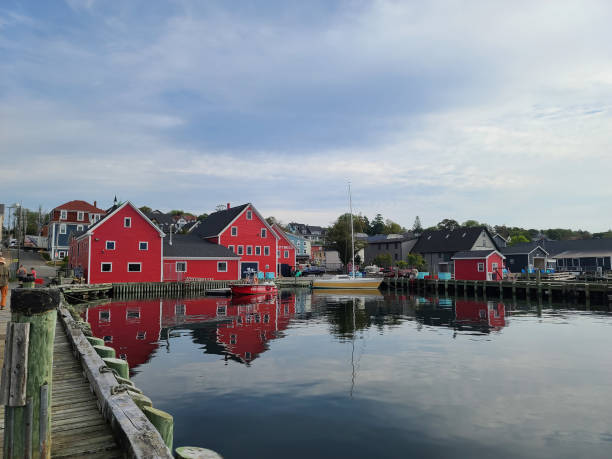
(488, 110)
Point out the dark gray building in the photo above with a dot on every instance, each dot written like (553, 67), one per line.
(439, 246)
(524, 257)
(397, 245)
(584, 255)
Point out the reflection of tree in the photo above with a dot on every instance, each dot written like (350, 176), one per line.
(340, 317)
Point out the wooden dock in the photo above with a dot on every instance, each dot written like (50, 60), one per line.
(530, 288)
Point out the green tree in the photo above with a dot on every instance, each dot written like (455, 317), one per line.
(470, 223)
(448, 224)
(378, 225)
(176, 212)
(339, 236)
(202, 217)
(519, 238)
(415, 260)
(145, 209)
(392, 228)
(383, 260)
(417, 228)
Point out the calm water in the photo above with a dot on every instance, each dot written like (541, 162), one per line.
(324, 375)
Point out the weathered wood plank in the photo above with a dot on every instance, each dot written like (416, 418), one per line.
(18, 378)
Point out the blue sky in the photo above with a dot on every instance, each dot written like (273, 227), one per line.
(487, 110)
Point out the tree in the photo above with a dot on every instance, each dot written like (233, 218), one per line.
(378, 225)
(448, 224)
(339, 237)
(417, 228)
(392, 228)
(202, 217)
(176, 212)
(519, 238)
(145, 209)
(470, 223)
(415, 260)
(383, 260)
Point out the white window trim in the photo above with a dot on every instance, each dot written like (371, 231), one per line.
(134, 263)
(249, 215)
(231, 247)
(481, 267)
(114, 245)
(286, 253)
(263, 233)
(266, 251)
(63, 215)
(249, 250)
(80, 216)
(257, 250)
(176, 266)
(143, 242)
(106, 263)
(79, 227)
(240, 249)
(126, 220)
(218, 266)
(64, 228)
(234, 229)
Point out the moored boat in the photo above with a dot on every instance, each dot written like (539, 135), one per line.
(254, 289)
(345, 281)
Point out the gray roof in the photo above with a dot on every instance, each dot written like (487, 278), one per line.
(521, 248)
(457, 240)
(160, 218)
(215, 223)
(584, 246)
(192, 246)
(474, 253)
(391, 238)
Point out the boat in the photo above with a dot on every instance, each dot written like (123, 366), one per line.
(254, 289)
(348, 281)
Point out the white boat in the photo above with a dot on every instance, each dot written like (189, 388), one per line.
(348, 281)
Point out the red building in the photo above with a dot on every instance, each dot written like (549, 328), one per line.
(286, 252)
(187, 256)
(246, 233)
(479, 265)
(124, 246)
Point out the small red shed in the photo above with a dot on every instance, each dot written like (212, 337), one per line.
(479, 265)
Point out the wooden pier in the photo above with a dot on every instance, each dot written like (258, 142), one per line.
(529, 288)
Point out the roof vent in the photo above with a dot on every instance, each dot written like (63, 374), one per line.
(446, 237)
(429, 237)
(463, 235)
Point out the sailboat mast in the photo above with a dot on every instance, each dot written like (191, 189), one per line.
(352, 235)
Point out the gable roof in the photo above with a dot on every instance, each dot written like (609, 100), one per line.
(160, 217)
(215, 223)
(113, 211)
(475, 254)
(594, 246)
(281, 233)
(460, 239)
(81, 206)
(521, 248)
(192, 246)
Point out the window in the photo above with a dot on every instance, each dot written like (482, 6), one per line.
(257, 250)
(181, 266)
(108, 339)
(249, 250)
(233, 339)
(134, 267)
(127, 222)
(106, 267)
(110, 245)
(264, 232)
(141, 335)
(480, 267)
(234, 231)
(63, 228)
(286, 254)
(63, 214)
(222, 266)
(79, 227)
(249, 215)
(221, 310)
(267, 250)
(179, 309)
(104, 316)
(80, 216)
(231, 247)
(240, 250)
(143, 245)
(494, 266)
(278, 253)
(132, 314)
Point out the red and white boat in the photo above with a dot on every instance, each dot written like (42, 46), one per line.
(254, 289)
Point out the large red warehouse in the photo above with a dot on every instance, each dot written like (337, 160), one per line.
(479, 265)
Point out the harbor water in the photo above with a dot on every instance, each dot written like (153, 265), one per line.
(362, 375)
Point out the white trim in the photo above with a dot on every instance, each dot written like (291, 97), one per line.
(261, 233)
(240, 267)
(201, 258)
(143, 242)
(232, 231)
(139, 263)
(106, 263)
(81, 214)
(239, 250)
(480, 263)
(89, 259)
(264, 252)
(249, 214)
(63, 214)
(127, 220)
(161, 274)
(257, 247)
(252, 207)
(106, 245)
(247, 250)
(63, 225)
(176, 266)
(480, 258)
(226, 267)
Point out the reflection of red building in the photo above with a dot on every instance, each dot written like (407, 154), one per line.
(481, 313)
(130, 327)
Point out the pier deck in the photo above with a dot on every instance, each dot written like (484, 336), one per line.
(78, 428)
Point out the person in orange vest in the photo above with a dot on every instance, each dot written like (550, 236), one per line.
(4, 281)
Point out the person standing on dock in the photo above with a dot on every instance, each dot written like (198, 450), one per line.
(21, 274)
(33, 273)
(4, 281)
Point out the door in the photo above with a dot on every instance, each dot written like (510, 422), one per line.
(248, 268)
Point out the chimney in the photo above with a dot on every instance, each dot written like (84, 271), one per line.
(228, 205)
(95, 203)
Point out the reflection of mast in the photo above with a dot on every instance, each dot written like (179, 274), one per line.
(353, 376)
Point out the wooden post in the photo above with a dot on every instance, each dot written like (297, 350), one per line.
(95, 341)
(192, 452)
(104, 351)
(163, 422)
(30, 436)
(119, 365)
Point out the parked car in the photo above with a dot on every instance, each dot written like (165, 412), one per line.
(313, 271)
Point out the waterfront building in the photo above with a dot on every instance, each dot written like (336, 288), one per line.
(483, 265)
(68, 218)
(187, 256)
(396, 245)
(439, 246)
(287, 253)
(499, 240)
(302, 247)
(582, 255)
(245, 232)
(317, 254)
(309, 232)
(123, 246)
(525, 257)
